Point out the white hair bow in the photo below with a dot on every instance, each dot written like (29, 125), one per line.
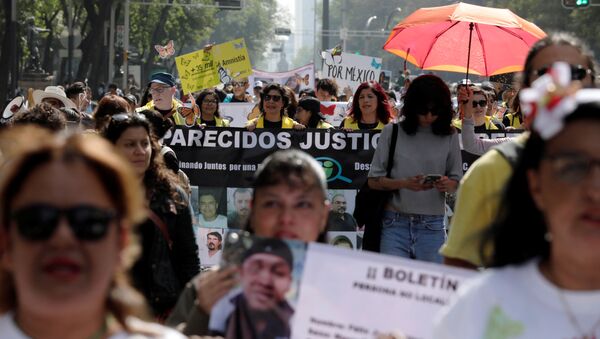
(552, 97)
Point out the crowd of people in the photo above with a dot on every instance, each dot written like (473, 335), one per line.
(97, 219)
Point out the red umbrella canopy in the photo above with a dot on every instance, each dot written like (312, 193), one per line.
(437, 38)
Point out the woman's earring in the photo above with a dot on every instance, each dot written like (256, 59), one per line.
(548, 236)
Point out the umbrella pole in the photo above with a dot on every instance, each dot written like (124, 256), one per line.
(469, 52)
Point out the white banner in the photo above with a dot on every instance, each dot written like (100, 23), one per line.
(350, 69)
(236, 112)
(297, 79)
(349, 294)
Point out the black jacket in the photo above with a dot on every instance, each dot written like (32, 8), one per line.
(162, 271)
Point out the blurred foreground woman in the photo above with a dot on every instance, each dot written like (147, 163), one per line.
(546, 281)
(68, 205)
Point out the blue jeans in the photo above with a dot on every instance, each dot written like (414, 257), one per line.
(414, 236)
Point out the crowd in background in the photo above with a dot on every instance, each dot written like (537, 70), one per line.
(528, 208)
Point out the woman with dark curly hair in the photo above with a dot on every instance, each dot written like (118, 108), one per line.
(273, 103)
(427, 164)
(208, 102)
(370, 108)
(169, 251)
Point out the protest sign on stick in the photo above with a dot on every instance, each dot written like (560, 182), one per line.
(210, 67)
(350, 69)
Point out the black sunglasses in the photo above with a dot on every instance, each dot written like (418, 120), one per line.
(38, 222)
(275, 98)
(578, 72)
(481, 103)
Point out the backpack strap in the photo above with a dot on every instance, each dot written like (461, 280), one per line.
(390, 163)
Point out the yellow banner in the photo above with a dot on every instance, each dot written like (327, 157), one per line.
(219, 65)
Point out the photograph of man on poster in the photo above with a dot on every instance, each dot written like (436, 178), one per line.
(214, 246)
(339, 219)
(208, 206)
(237, 218)
(258, 308)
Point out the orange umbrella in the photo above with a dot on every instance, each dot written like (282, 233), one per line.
(464, 38)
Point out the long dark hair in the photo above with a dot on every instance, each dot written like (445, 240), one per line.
(384, 111)
(518, 232)
(159, 181)
(428, 93)
(203, 95)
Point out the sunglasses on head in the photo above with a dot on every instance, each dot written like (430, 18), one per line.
(578, 72)
(274, 98)
(121, 117)
(571, 168)
(481, 103)
(38, 222)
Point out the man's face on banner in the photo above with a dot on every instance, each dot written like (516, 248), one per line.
(242, 201)
(265, 278)
(208, 206)
(339, 204)
(212, 242)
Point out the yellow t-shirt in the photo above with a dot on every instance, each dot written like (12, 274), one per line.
(476, 206)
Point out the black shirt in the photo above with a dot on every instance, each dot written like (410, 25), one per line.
(273, 124)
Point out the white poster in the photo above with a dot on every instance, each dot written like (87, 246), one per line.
(297, 79)
(236, 112)
(350, 294)
(334, 112)
(350, 69)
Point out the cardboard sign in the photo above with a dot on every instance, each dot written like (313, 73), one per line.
(350, 69)
(349, 294)
(219, 65)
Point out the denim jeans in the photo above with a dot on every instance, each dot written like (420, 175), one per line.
(414, 236)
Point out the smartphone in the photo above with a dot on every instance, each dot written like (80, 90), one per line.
(431, 178)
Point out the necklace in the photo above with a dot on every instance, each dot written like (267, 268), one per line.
(591, 333)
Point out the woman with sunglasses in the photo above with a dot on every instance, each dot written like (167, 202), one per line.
(479, 196)
(273, 102)
(413, 220)
(238, 92)
(69, 205)
(289, 201)
(169, 251)
(208, 101)
(482, 123)
(370, 108)
(545, 281)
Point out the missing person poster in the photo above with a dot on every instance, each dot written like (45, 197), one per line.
(263, 303)
(379, 295)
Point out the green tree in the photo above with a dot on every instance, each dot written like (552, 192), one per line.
(255, 23)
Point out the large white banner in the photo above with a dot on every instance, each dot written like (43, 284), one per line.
(348, 294)
(297, 79)
(350, 69)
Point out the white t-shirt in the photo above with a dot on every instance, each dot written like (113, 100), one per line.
(517, 302)
(9, 330)
(219, 222)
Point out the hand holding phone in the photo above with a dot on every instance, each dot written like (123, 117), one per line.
(431, 178)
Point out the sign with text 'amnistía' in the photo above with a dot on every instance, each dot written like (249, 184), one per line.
(219, 64)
